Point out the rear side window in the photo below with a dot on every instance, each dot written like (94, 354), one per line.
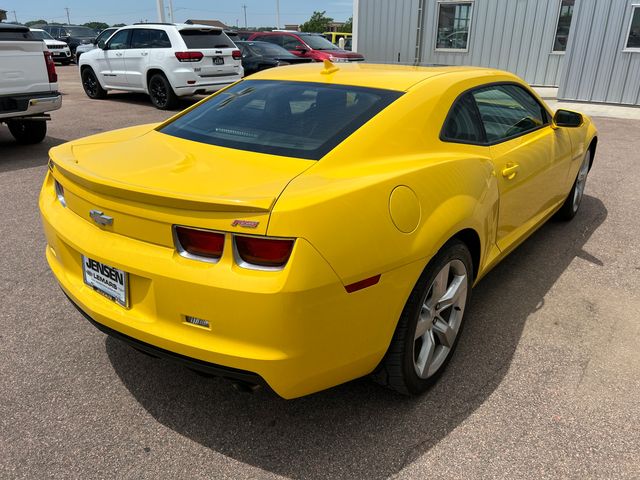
(463, 123)
(206, 39)
(146, 38)
(275, 39)
(294, 119)
(508, 111)
(17, 34)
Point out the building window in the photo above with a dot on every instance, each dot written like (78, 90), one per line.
(633, 37)
(564, 23)
(454, 24)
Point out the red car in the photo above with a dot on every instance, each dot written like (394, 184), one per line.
(308, 45)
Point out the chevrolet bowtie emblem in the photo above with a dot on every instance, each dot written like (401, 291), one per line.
(100, 218)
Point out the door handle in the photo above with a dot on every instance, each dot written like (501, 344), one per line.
(118, 54)
(510, 170)
(144, 54)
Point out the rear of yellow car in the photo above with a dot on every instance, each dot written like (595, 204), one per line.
(162, 241)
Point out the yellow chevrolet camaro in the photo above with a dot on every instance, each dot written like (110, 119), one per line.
(312, 224)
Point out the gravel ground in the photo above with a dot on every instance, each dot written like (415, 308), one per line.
(545, 382)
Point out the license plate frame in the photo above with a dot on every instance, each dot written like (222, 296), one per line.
(218, 60)
(108, 281)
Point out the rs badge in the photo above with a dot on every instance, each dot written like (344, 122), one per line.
(245, 224)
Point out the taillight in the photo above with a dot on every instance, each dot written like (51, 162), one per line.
(199, 243)
(189, 56)
(51, 67)
(60, 193)
(236, 54)
(263, 252)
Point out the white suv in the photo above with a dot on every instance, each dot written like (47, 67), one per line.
(164, 60)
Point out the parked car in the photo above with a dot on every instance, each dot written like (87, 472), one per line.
(258, 56)
(334, 37)
(28, 84)
(103, 36)
(166, 61)
(311, 224)
(59, 50)
(308, 45)
(72, 35)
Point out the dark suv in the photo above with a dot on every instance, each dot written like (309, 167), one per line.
(72, 35)
(308, 45)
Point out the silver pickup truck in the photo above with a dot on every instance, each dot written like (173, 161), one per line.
(28, 84)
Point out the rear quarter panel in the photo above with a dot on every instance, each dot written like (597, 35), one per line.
(341, 205)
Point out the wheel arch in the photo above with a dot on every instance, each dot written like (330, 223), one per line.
(87, 66)
(153, 71)
(592, 149)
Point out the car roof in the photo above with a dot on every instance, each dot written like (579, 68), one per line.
(179, 26)
(390, 77)
(12, 27)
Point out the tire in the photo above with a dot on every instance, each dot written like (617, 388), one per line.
(571, 204)
(428, 331)
(77, 59)
(162, 95)
(91, 85)
(28, 132)
(65, 62)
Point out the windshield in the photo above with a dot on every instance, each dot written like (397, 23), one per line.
(80, 32)
(105, 34)
(317, 42)
(293, 119)
(267, 49)
(41, 35)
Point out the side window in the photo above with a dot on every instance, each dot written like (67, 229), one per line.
(508, 111)
(633, 35)
(562, 28)
(277, 39)
(462, 123)
(147, 38)
(290, 43)
(120, 40)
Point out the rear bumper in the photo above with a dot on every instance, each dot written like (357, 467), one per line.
(29, 104)
(297, 328)
(191, 363)
(202, 84)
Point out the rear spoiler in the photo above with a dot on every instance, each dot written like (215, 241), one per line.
(167, 199)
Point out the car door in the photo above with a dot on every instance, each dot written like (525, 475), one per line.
(531, 158)
(110, 62)
(136, 58)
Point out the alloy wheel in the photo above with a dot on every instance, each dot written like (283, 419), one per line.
(158, 92)
(90, 84)
(440, 318)
(581, 181)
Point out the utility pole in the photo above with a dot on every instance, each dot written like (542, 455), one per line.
(68, 21)
(15, 17)
(278, 14)
(244, 7)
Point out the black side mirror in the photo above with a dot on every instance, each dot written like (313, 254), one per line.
(103, 45)
(567, 118)
(301, 48)
(94, 42)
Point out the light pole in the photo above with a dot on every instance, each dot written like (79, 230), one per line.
(278, 14)
(160, 5)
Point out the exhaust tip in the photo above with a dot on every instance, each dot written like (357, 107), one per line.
(245, 387)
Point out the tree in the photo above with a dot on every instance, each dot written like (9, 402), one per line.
(97, 25)
(35, 22)
(348, 25)
(119, 25)
(318, 23)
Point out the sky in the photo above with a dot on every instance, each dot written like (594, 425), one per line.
(259, 12)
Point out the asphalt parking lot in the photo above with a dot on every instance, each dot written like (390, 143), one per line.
(545, 382)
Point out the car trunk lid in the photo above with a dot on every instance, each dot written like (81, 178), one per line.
(174, 181)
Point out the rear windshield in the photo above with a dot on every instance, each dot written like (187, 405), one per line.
(206, 39)
(268, 49)
(293, 119)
